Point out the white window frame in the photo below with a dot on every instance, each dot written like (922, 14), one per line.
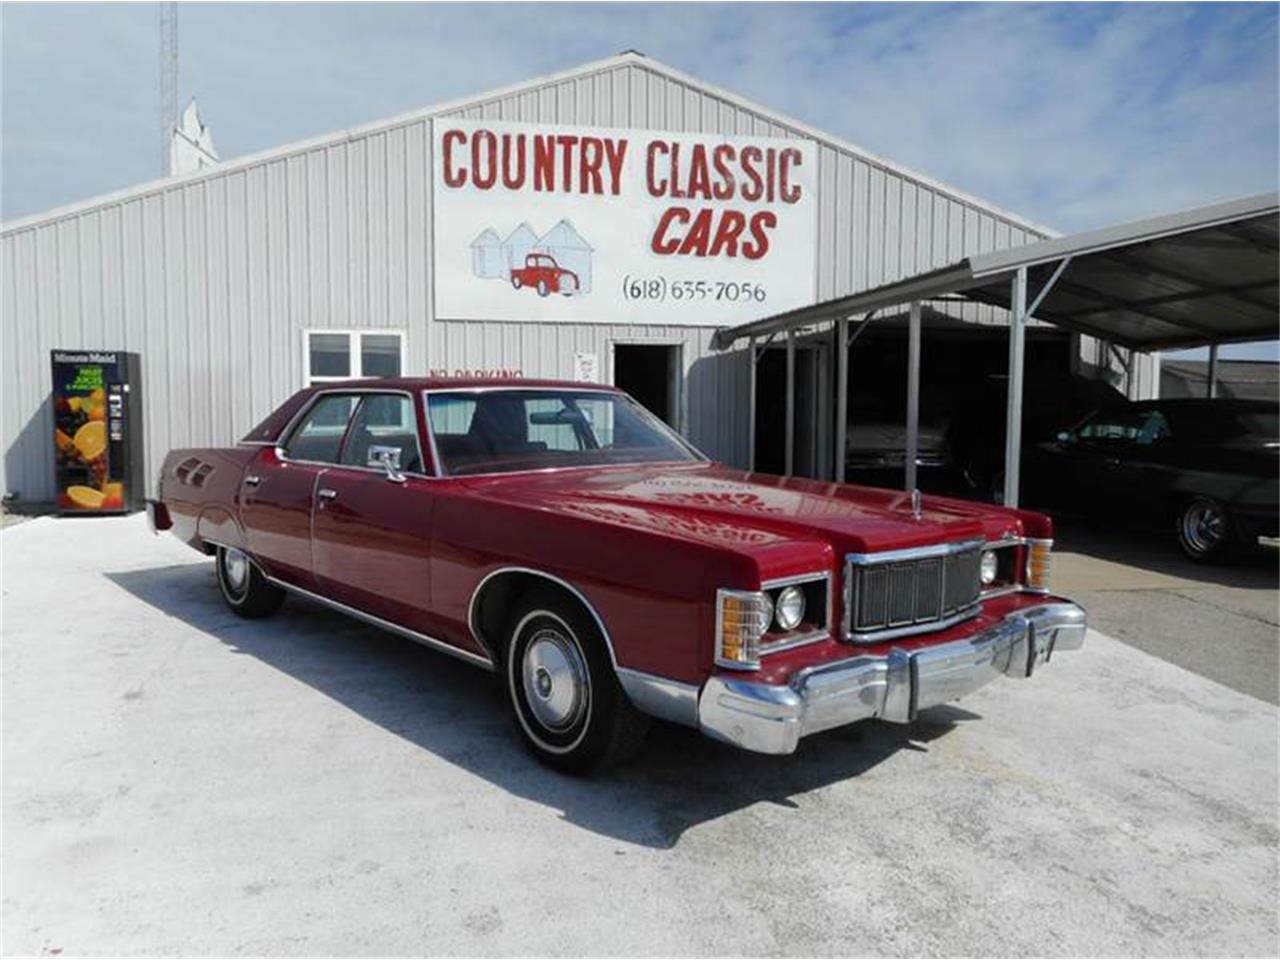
(353, 351)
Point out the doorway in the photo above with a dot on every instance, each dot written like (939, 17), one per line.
(771, 411)
(650, 372)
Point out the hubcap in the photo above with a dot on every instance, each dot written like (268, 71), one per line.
(1203, 527)
(555, 679)
(235, 565)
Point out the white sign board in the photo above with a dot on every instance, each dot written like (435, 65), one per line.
(554, 222)
(586, 368)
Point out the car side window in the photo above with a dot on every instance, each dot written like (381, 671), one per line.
(1155, 428)
(383, 422)
(318, 436)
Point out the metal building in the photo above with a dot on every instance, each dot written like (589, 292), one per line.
(241, 283)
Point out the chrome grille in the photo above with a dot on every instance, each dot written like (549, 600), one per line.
(910, 591)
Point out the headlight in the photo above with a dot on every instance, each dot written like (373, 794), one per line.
(1038, 552)
(990, 568)
(742, 618)
(789, 608)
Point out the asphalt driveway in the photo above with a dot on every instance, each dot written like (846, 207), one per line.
(178, 781)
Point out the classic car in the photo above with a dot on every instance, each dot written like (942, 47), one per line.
(1052, 402)
(541, 272)
(562, 536)
(1205, 469)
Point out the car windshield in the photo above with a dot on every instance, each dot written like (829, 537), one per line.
(500, 431)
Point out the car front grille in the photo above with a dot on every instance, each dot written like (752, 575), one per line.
(910, 591)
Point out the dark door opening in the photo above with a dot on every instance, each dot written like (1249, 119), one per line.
(651, 374)
(771, 412)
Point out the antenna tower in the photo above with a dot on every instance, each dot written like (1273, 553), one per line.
(168, 82)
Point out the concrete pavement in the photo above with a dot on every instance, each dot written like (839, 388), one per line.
(1220, 620)
(178, 781)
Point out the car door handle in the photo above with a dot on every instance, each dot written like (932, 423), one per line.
(252, 480)
(324, 493)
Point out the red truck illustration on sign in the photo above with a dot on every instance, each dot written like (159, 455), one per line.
(541, 272)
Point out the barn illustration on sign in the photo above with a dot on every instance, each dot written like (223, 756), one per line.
(559, 261)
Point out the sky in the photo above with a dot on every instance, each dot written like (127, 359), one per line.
(1073, 115)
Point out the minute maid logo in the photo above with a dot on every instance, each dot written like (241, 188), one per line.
(90, 357)
(560, 261)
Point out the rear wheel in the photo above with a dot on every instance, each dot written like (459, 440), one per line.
(517, 282)
(1204, 530)
(244, 589)
(543, 288)
(568, 705)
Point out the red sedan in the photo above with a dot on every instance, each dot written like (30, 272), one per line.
(541, 272)
(561, 535)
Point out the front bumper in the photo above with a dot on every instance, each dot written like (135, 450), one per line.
(771, 718)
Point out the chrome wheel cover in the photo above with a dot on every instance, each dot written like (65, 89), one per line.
(1203, 527)
(235, 570)
(555, 679)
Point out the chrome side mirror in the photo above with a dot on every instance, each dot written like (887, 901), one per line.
(388, 458)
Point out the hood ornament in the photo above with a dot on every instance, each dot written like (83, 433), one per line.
(915, 504)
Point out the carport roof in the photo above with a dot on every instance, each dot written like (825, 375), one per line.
(1199, 277)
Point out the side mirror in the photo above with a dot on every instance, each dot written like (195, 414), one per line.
(388, 458)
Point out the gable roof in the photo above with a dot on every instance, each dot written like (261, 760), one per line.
(627, 58)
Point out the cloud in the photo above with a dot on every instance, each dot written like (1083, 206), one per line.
(1074, 115)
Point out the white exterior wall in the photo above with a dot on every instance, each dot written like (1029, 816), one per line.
(214, 277)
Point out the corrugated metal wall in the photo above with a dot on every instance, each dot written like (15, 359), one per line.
(213, 279)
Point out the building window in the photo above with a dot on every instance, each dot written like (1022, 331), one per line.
(331, 355)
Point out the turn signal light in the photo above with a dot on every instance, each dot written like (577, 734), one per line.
(1038, 555)
(742, 617)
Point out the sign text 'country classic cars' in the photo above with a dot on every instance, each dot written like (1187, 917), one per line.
(576, 223)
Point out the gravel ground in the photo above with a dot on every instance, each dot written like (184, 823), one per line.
(178, 781)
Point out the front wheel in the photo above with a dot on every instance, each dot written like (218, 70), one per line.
(1204, 530)
(568, 705)
(543, 288)
(244, 588)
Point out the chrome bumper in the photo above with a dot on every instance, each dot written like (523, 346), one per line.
(770, 718)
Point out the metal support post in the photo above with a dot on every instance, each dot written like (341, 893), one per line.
(1013, 411)
(913, 396)
(842, 395)
(1213, 371)
(789, 459)
(751, 403)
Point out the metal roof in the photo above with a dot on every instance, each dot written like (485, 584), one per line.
(491, 98)
(1189, 279)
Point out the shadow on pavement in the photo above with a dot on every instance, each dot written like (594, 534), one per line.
(679, 780)
(1255, 569)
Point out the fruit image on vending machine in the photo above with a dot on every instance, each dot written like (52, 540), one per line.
(97, 431)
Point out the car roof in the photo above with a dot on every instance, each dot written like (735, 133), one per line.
(1208, 404)
(459, 383)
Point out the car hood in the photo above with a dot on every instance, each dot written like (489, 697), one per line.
(713, 503)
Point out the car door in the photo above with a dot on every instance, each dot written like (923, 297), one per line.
(278, 490)
(1105, 460)
(371, 527)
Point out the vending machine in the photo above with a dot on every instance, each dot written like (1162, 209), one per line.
(97, 431)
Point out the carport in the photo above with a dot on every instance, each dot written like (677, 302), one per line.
(1198, 278)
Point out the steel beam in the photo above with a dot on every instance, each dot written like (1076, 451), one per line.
(913, 396)
(1013, 409)
(789, 459)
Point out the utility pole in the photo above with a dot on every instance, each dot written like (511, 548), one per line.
(168, 83)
